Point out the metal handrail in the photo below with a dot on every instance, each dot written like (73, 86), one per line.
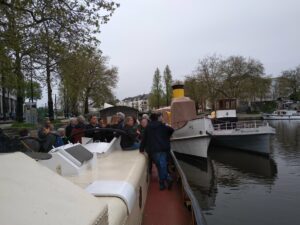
(240, 125)
(99, 130)
(196, 210)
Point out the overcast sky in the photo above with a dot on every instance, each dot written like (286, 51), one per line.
(145, 34)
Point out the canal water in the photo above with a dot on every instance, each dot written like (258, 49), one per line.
(238, 188)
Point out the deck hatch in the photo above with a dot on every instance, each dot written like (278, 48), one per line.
(80, 153)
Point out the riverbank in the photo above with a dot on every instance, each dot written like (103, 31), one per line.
(245, 116)
(12, 128)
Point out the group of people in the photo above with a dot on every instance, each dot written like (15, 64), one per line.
(131, 135)
(149, 135)
(78, 128)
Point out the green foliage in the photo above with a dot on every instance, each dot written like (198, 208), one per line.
(295, 96)
(33, 89)
(289, 83)
(167, 85)
(239, 74)
(232, 77)
(195, 89)
(22, 125)
(87, 78)
(156, 95)
(262, 106)
(269, 107)
(42, 113)
(33, 35)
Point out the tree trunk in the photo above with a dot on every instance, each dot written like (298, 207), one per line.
(74, 108)
(197, 106)
(4, 106)
(86, 102)
(66, 106)
(167, 96)
(48, 76)
(86, 106)
(50, 100)
(20, 89)
(31, 88)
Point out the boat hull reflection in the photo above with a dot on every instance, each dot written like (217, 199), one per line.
(224, 167)
(251, 164)
(201, 177)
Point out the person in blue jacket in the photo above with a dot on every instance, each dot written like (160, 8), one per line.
(156, 141)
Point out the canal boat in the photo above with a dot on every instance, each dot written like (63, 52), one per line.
(282, 114)
(252, 136)
(93, 183)
(192, 133)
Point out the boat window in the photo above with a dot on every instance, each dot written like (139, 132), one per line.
(227, 105)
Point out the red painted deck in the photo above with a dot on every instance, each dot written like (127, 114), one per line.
(165, 207)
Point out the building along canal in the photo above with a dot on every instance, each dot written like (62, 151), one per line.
(235, 187)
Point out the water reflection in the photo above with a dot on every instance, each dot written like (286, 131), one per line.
(201, 177)
(235, 187)
(287, 134)
(225, 167)
(251, 165)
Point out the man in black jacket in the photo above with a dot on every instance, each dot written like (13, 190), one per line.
(156, 141)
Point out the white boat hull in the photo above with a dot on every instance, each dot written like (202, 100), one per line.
(248, 136)
(259, 143)
(271, 117)
(282, 114)
(193, 138)
(196, 146)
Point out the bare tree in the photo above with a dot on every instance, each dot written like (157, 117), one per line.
(289, 83)
(236, 71)
(209, 73)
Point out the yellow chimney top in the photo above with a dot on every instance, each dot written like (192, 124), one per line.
(178, 90)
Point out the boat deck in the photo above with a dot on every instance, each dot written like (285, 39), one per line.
(165, 207)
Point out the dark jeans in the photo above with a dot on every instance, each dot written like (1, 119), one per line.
(135, 146)
(160, 160)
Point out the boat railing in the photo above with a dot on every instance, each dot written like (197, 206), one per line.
(240, 125)
(188, 196)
